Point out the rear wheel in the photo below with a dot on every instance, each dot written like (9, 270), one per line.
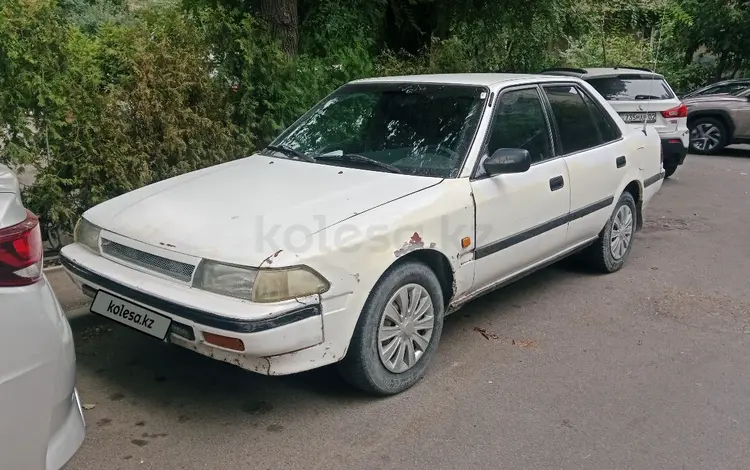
(398, 331)
(610, 251)
(707, 136)
(669, 169)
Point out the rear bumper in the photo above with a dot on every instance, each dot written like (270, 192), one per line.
(67, 439)
(673, 150)
(42, 424)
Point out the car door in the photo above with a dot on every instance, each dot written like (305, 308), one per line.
(521, 218)
(740, 113)
(592, 146)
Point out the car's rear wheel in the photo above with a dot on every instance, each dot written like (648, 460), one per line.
(707, 136)
(398, 331)
(669, 169)
(610, 251)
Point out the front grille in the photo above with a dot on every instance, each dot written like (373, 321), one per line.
(174, 269)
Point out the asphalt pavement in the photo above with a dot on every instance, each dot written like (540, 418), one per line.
(646, 368)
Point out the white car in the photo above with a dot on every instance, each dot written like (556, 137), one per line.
(388, 205)
(41, 422)
(640, 95)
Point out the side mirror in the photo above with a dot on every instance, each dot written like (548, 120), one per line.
(508, 161)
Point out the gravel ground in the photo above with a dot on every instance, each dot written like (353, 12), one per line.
(645, 368)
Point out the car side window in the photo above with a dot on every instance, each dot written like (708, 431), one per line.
(575, 124)
(607, 127)
(519, 123)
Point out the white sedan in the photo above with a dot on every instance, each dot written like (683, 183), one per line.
(41, 423)
(388, 205)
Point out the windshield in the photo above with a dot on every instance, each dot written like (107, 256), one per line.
(420, 129)
(631, 89)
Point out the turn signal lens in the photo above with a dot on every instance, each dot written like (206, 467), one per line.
(224, 341)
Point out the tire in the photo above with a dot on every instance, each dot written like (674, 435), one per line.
(669, 170)
(709, 127)
(362, 366)
(600, 255)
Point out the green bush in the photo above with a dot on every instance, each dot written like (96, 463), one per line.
(105, 96)
(104, 114)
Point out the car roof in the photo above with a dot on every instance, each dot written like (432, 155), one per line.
(475, 79)
(728, 80)
(601, 72)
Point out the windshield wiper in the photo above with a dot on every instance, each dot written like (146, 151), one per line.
(355, 157)
(289, 152)
(647, 97)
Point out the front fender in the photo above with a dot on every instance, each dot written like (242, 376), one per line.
(354, 254)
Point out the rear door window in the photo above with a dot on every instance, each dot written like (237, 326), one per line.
(607, 127)
(632, 89)
(576, 128)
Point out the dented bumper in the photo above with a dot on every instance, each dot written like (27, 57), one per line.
(264, 330)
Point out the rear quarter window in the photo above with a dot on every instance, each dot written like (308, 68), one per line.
(632, 89)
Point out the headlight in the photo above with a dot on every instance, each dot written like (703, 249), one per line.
(259, 285)
(87, 234)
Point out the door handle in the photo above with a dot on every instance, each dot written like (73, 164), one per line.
(621, 161)
(556, 183)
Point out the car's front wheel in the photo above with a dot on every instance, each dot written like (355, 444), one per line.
(398, 331)
(707, 136)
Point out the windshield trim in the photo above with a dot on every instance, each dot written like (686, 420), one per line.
(381, 84)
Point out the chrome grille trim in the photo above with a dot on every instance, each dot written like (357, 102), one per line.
(168, 267)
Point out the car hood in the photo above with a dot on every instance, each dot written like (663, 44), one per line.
(243, 211)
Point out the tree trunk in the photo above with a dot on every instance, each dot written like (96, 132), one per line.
(281, 16)
(689, 52)
(721, 65)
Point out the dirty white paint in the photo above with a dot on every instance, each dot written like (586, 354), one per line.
(350, 226)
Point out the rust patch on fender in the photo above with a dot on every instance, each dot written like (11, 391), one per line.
(414, 243)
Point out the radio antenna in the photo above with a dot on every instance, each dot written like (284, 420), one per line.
(653, 74)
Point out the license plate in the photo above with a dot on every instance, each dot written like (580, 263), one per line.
(129, 314)
(638, 117)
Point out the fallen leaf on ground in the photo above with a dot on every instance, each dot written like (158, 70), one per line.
(485, 333)
(522, 343)
(88, 407)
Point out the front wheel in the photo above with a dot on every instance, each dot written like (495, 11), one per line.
(398, 331)
(610, 251)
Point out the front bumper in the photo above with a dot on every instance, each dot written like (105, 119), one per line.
(264, 329)
(673, 150)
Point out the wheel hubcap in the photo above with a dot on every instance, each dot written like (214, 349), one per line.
(622, 232)
(405, 328)
(705, 136)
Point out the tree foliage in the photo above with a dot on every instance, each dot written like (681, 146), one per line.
(104, 96)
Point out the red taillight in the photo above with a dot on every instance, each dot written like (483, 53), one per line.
(677, 112)
(21, 253)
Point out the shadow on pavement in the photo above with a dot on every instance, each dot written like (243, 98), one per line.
(117, 364)
(741, 151)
